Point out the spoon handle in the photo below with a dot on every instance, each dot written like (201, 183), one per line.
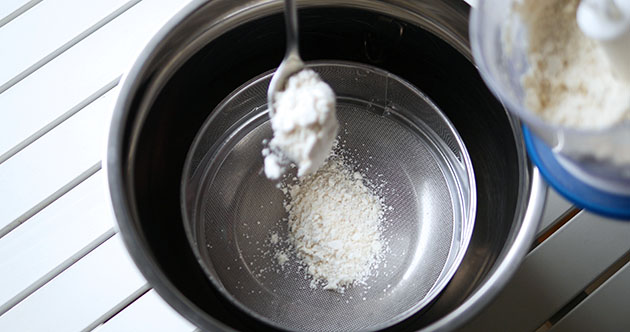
(291, 21)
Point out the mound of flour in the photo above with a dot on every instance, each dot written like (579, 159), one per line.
(335, 225)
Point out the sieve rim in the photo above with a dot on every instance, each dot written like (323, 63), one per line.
(467, 215)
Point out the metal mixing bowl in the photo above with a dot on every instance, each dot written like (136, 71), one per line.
(211, 48)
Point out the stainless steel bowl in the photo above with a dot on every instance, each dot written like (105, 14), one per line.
(211, 48)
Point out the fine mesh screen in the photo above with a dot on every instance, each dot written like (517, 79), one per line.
(397, 139)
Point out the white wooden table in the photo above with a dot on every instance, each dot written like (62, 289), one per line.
(63, 266)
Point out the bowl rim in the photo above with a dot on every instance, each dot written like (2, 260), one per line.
(121, 200)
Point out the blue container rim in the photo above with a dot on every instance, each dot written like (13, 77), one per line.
(576, 191)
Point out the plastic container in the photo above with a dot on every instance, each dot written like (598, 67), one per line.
(597, 161)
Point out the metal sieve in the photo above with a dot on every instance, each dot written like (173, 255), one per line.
(397, 137)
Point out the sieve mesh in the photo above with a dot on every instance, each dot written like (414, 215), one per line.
(396, 138)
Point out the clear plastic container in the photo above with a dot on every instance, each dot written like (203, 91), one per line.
(599, 158)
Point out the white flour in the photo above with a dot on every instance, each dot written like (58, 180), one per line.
(570, 81)
(304, 125)
(335, 225)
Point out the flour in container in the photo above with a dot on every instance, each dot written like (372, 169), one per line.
(570, 81)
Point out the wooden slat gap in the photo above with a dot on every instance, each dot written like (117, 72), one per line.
(589, 289)
(68, 45)
(18, 12)
(50, 199)
(119, 307)
(555, 226)
(616, 266)
(545, 327)
(56, 271)
(59, 120)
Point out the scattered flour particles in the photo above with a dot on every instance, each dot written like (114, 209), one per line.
(334, 224)
(304, 125)
(570, 81)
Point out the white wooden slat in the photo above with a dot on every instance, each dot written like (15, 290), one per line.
(53, 236)
(147, 314)
(7, 7)
(555, 207)
(606, 309)
(46, 27)
(554, 273)
(85, 68)
(80, 295)
(54, 160)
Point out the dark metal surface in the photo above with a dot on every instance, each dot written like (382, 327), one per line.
(209, 49)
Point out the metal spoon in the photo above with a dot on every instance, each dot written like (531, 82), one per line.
(292, 63)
